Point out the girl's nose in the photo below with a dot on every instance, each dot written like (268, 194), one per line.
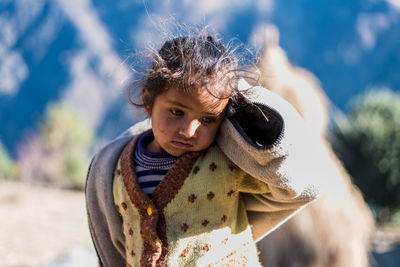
(189, 130)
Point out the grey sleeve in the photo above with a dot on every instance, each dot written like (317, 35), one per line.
(269, 140)
(105, 223)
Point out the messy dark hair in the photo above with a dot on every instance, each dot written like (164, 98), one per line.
(190, 63)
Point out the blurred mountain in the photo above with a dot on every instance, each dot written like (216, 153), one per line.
(78, 52)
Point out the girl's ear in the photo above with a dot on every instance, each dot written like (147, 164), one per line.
(146, 100)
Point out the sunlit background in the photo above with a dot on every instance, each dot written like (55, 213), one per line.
(65, 66)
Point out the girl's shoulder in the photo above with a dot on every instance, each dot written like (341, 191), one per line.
(105, 159)
(110, 153)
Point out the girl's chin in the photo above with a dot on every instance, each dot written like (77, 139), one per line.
(176, 152)
(178, 149)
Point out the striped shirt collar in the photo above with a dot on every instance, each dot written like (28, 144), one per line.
(152, 160)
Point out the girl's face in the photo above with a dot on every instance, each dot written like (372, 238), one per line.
(184, 122)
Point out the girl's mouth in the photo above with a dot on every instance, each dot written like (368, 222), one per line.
(181, 144)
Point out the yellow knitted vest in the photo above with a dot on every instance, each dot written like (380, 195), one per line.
(204, 223)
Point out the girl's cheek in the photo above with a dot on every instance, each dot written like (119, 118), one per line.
(170, 123)
(209, 133)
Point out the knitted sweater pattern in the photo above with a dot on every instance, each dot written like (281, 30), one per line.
(195, 217)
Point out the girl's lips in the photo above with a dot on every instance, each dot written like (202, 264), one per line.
(180, 144)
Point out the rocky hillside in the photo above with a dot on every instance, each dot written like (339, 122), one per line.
(78, 52)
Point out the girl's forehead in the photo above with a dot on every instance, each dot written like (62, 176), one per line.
(201, 100)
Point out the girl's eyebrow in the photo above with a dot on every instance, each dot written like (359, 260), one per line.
(176, 103)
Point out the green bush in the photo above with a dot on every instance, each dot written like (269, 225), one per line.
(59, 154)
(66, 137)
(368, 142)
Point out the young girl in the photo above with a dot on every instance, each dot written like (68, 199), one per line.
(214, 172)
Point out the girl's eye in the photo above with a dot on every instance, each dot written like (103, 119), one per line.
(207, 120)
(176, 112)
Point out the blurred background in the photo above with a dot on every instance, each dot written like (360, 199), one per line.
(65, 66)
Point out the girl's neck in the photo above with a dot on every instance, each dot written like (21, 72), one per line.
(147, 147)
